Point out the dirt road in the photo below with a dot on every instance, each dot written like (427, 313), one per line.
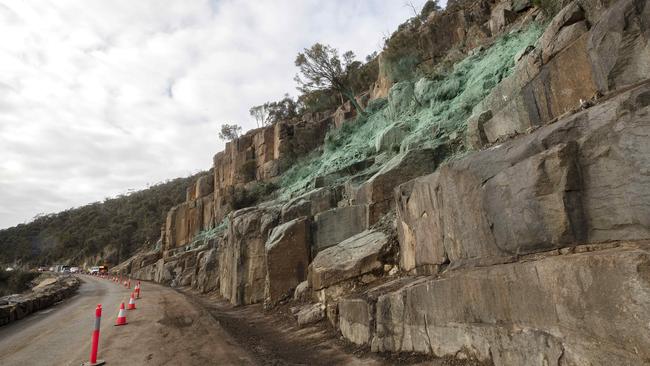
(166, 329)
(179, 328)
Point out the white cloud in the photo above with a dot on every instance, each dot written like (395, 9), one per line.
(98, 97)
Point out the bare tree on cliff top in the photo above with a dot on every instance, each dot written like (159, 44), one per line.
(261, 114)
(229, 132)
(322, 68)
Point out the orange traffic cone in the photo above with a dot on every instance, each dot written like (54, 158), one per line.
(121, 317)
(137, 290)
(129, 286)
(132, 302)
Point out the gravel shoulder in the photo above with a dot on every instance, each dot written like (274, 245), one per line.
(274, 339)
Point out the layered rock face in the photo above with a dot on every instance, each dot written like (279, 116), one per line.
(501, 233)
(532, 249)
(576, 61)
(559, 186)
(191, 217)
(262, 155)
(559, 310)
(287, 258)
(259, 156)
(242, 262)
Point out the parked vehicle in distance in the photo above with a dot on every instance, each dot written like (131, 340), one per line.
(65, 269)
(96, 270)
(74, 269)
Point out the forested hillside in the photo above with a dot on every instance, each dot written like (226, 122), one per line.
(102, 231)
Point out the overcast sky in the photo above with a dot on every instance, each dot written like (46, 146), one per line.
(99, 97)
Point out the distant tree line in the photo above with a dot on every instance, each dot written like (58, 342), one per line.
(113, 229)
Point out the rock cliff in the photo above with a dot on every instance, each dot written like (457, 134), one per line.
(495, 204)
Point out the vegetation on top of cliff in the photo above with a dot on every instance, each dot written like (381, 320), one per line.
(229, 132)
(402, 51)
(271, 112)
(434, 110)
(107, 232)
(321, 68)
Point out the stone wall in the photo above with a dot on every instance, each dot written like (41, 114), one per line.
(16, 307)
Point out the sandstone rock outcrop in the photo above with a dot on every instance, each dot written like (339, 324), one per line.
(287, 258)
(333, 226)
(206, 275)
(311, 203)
(556, 187)
(242, 262)
(261, 155)
(377, 192)
(354, 257)
(574, 309)
(572, 65)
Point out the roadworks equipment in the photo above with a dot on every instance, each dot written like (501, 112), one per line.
(95, 340)
(132, 302)
(121, 316)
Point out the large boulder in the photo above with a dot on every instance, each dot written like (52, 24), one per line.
(287, 258)
(502, 15)
(619, 45)
(311, 313)
(333, 226)
(179, 270)
(242, 262)
(311, 203)
(568, 16)
(354, 257)
(559, 186)
(355, 320)
(377, 192)
(149, 272)
(206, 277)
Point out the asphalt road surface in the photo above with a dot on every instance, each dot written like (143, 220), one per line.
(165, 329)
